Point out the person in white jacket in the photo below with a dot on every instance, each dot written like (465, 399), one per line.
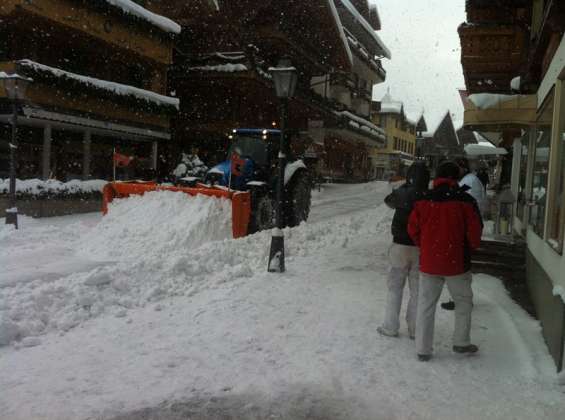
(476, 187)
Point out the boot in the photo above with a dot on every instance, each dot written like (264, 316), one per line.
(471, 348)
(448, 306)
(385, 332)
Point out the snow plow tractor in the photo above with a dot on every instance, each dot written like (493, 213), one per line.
(252, 167)
(248, 178)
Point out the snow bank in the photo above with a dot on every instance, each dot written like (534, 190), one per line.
(158, 224)
(155, 247)
(52, 186)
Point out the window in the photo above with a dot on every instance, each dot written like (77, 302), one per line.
(556, 220)
(542, 144)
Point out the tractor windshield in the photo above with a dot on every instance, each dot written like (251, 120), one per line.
(251, 147)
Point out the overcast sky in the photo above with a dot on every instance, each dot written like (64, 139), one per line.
(425, 70)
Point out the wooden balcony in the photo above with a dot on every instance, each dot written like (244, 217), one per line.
(79, 98)
(492, 56)
(97, 20)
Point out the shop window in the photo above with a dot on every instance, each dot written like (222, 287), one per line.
(556, 220)
(541, 167)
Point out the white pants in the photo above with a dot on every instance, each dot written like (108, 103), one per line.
(430, 292)
(404, 262)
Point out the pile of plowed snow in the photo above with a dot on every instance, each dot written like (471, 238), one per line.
(157, 246)
(158, 222)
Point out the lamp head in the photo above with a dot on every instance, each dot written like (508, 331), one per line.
(15, 85)
(284, 78)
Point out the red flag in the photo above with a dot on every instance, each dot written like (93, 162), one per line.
(122, 160)
(237, 164)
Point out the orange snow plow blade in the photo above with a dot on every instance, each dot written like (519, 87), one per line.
(241, 201)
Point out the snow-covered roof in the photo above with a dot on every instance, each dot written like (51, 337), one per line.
(341, 30)
(363, 124)
(222, 68)
(366, 26)
(4, 75)
(484, 149)
(391, 107)
(134, 9)
(116, 88)
(413, 117)
(437, 124)
(489, 100)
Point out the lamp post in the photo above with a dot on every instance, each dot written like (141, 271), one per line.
(284, 78)
(15, 87)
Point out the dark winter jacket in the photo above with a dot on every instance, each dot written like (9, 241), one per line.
(446, 224)
(402, 200)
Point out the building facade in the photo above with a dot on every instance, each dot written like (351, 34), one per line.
(99, 72)
(440, 143)
(401, 132)
(221, 74)
(528, 117)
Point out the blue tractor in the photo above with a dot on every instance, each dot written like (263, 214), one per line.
(254, 152)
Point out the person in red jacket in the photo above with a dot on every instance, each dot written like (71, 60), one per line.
(446, 225)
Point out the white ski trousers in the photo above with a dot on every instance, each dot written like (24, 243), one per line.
(404, 265)
(430, 291)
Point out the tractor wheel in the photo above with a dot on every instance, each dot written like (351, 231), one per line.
(297, 199)
(262, 214)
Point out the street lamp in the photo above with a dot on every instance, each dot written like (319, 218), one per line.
(15, 87)
(285, 79)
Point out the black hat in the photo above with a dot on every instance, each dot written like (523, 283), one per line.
(448, 169)
(418, 175)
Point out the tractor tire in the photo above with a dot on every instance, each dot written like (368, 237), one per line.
(262, 214)
(298, 196)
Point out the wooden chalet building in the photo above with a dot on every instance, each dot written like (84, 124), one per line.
(513, 55)
(220, 73)
(440, 143)
(99, 70)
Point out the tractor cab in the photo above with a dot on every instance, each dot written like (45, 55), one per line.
(253, 154)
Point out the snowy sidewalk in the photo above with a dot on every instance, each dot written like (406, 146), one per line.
(243, 343)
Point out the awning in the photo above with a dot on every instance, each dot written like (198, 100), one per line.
(481, 150)
(500, 112)
(36, 117)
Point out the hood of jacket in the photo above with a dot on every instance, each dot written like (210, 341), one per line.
(419, 176)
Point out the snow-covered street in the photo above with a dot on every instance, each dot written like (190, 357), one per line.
(172, 320)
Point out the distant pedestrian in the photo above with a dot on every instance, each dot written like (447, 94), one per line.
(446, 225)
(403, 254)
